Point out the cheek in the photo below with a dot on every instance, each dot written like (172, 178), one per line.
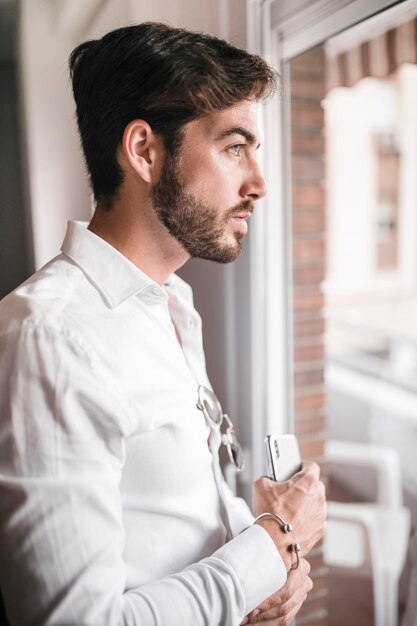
(212, 181)
(208, 176)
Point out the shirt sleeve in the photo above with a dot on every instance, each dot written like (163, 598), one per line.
(61, 531)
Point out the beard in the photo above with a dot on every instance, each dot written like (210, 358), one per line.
(194, 224)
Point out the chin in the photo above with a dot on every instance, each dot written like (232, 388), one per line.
(231, 252)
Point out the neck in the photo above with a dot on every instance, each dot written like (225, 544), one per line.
(134, 230)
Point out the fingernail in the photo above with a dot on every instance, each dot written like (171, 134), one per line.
(245, 621)
(255, 612)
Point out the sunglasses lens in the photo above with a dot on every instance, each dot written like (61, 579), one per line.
(237, 456)
(234, 449)
(210, 405)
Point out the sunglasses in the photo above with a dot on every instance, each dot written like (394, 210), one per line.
(213, 412)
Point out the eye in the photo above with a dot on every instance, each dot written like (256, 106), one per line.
(236, 148)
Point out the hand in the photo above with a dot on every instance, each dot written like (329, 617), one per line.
(300, 501)
(281, 608)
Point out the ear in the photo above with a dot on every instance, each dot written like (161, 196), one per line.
(142, 150)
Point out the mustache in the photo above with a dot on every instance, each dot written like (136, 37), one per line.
(246, 206)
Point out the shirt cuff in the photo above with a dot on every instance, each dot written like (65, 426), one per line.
(257, 563)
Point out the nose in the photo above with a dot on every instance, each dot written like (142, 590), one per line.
(254, 186)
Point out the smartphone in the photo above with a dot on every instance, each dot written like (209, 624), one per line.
(282, 456)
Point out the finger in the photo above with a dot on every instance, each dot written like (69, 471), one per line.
(286, 608)
(284, 620)
(309, 467)
(308, 478)
(288, 619)
(282, 603)
(265, 482)
(310, 470)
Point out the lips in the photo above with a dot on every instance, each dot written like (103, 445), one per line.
(242, 216)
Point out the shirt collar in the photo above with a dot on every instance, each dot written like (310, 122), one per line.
(113, 275)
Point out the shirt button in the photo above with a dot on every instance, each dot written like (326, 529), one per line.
(190, 322)
(157, 291)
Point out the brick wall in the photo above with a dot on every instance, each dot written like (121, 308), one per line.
(307, 89)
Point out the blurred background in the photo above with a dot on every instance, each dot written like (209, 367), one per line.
(314, 329)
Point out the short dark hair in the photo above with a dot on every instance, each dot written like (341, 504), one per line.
(166, 76)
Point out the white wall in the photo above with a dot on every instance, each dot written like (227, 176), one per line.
(350, 189)
(353, 115)
(407, 235)
(56, 178)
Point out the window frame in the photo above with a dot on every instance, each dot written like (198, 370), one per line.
(263, 381)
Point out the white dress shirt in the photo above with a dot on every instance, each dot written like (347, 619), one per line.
(113, 509)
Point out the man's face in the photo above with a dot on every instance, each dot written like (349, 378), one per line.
(206, 192)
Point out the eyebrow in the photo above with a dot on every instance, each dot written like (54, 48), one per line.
(239, 130)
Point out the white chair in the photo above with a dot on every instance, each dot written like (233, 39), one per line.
(370, 539)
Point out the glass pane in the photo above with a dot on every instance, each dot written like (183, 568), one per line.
(354, 261)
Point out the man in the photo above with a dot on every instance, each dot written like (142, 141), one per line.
(113, 509)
